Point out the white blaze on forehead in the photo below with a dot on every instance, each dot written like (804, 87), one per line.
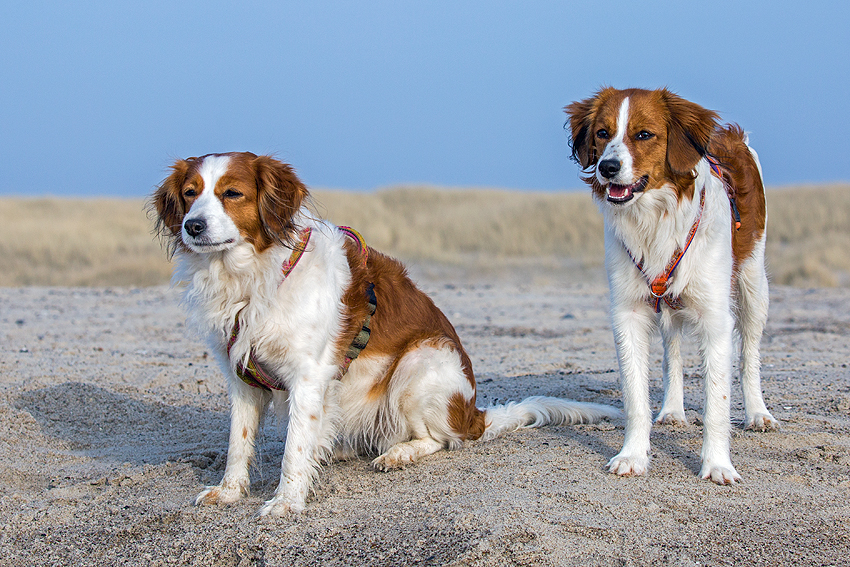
(622, 122)
(618, 150)
(211, 170)
(208, 208)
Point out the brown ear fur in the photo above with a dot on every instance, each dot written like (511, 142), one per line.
(168, 203)
(691, 127)
(279, 196)
(581, 115)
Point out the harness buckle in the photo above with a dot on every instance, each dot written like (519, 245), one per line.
(658, 287)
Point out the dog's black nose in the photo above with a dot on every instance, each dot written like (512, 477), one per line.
(195, 227)
(609, 168)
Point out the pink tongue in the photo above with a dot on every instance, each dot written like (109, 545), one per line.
(619, 191)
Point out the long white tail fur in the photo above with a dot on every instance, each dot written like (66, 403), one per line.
(538, 411)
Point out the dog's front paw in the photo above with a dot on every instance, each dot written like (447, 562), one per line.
(280, 507)
(674, 418)
(220, 494)
(628, 465)
(762, 422)
(720, 474)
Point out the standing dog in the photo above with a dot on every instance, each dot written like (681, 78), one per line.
(302, 313)
(684, 211)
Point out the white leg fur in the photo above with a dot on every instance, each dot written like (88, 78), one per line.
(673, 408)
(714, 331)
(303, 451)
(403, 454)
(424, 381)
(751, 311)
(246, 407)
(633, 325)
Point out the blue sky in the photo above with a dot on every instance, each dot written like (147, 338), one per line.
(97, 98)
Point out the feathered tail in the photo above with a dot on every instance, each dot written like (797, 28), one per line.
(538, 411)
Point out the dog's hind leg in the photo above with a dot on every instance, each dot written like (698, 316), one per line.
(435, 405)
(751, 318)
(402, 454)
(673, 408)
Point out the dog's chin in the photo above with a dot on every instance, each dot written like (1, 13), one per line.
(620, 194)
(207, 246)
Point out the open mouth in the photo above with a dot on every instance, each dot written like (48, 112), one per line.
(623, 193)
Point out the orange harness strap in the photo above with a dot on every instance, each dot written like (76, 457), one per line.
(660, 284)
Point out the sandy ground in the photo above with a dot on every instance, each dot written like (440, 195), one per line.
(113, 418)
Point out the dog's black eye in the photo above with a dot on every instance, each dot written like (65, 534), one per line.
(602, 134)
(644, 135)
(189, 192)
(232, 194)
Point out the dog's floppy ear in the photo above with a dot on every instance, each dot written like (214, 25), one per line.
(279, 196)
(581, 116)
(690, 130)
(168, 201)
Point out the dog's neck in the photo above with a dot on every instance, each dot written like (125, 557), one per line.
(655, 225)
(220, 284)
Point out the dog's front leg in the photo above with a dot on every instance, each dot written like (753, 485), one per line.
(633, 325)
(246, 406)
(301, 455)
(715, 334)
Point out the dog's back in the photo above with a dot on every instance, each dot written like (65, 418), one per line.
(742, 175)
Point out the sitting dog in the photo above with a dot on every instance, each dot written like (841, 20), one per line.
(302, 313)
(684, 211)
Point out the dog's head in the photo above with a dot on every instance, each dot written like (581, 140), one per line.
(632, 141)
(214, 202)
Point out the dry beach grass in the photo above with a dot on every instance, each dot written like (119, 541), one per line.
(79, 242)
(114, 416)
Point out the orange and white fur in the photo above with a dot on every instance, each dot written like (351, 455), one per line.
(646, 156)
(232, 220)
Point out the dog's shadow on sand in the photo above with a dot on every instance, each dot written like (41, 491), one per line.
(104, 424)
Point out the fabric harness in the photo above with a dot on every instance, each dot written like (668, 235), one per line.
(658, 287)
(253, 373)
